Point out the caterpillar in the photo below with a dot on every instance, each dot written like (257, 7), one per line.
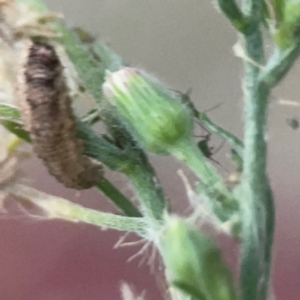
(47, 115)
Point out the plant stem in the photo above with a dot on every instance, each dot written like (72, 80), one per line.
(118, 199)
(279, 64)
(188, 152)
(149, 191)
(234, 14)
(257, 211)
(213, 188)
(134, 165)
(232, 140)
(56, 207)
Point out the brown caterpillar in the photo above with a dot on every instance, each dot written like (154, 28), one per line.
(47, 114)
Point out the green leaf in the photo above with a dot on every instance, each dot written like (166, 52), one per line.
(9, 112)
(278, 6)
(16, 129)
(10, 119)
(118, 199)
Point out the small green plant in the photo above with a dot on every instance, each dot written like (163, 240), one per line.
(143, 116)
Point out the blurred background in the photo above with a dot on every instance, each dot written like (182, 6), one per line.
(187, 44)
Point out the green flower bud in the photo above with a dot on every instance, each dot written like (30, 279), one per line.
(289, 26)
(155, 116)
(292, 14)
(193, 263)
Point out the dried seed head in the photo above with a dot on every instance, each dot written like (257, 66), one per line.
(19, 20)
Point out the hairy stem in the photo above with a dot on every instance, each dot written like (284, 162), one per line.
(231, 139)
(55, 207)
(256, 204)
(279, 64)
(118, 199)
(149, 192)
(234, 14)
(134, 165)
(212, 187)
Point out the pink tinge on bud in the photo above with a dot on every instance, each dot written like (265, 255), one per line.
(118, 80)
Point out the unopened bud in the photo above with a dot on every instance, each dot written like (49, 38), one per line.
(289, 25)
(194, 263)
(155, 116)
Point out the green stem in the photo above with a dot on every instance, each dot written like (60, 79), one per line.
(101, 149)
(55, 207)
(256, 204)
(234, 14)
(279, 64)
(253, 10)
(206, 122)
(149, 191)
(232, 140)
(188, 152)
(264, 288)
(118, 199)
(212, 188)
(134, 165)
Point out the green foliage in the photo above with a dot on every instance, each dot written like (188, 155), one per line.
(237, 159)
(287, 22)
(279, 7)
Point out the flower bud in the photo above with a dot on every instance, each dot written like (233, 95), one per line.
(289, 26)
(193, 263)
(155, 116)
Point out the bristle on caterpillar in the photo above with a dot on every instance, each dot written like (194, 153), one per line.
(47, 114)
